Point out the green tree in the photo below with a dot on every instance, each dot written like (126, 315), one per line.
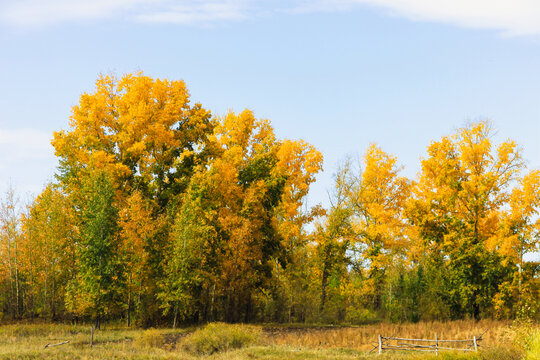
(95, 291)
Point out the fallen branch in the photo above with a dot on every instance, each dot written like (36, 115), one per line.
(51, 345)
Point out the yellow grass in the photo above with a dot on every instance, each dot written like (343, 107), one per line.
(277, 342)
(365, 337)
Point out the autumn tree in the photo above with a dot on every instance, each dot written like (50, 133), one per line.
(142, 131)
(137, 228)
(10, 253)
(162, 212)
(148, 138)
(376, 195)
(464, 184)
(232, 245)
(49, 234)
(518, 234)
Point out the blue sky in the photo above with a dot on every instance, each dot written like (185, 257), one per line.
(339, 74)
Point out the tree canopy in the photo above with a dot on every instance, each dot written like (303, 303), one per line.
(161, 212)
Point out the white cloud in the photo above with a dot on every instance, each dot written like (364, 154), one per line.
(24, 144)
(26, 159)
(512, 17)
(197, 13)
(38, 13)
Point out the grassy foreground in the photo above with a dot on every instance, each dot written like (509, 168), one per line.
(220, 341)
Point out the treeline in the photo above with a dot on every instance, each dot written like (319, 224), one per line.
(164, 214)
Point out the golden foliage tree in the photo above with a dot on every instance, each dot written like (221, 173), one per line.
(236, 199)
(464, 185)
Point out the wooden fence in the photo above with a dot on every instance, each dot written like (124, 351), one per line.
(395, 343)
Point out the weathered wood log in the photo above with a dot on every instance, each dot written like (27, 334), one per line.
(416, 345)
(51, 345)
(426, 340)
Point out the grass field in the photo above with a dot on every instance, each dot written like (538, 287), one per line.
(503, 340)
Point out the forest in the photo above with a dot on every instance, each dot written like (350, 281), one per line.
(161, 213)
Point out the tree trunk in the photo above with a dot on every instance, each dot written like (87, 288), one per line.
(324, 283)
(129, 309)
(175, 315)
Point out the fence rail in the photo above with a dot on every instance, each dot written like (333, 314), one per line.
(431, 345)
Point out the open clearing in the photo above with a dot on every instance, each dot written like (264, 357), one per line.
(274, 342)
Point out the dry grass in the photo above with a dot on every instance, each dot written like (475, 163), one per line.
(279, 342)
(365, 337)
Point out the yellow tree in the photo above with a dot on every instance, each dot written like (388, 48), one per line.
(147, 137)
(10, 252)
(49, 234)
(299, 162)
(142, 131)
(137, 229)
(464, 184)
(377, 197)
(520, 226)
(518, 234)
(235, 200)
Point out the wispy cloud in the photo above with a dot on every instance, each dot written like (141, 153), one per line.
(36, 13)
(512, 17)
(39, 13)
(26, 159)
(196, 12)
(24, 144)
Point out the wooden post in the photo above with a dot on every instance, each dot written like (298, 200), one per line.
(380, 344)
(92, 335)
(436, 344)
(475, 343)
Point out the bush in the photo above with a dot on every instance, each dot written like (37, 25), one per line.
(217, 337)
(151, 338)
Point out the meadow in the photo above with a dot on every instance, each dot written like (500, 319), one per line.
(502, 340)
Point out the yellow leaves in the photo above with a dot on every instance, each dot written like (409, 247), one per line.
(464, 195)
(137, 149)
(299, 162)
(519, 229)
(506, 151)
(253, 188)
(133, 127)
(525, 199)
(382, 193)
(237, 130)
(369, 207)
(137, 225)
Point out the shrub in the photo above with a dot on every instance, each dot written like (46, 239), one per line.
(217, 337)
(151, 338)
